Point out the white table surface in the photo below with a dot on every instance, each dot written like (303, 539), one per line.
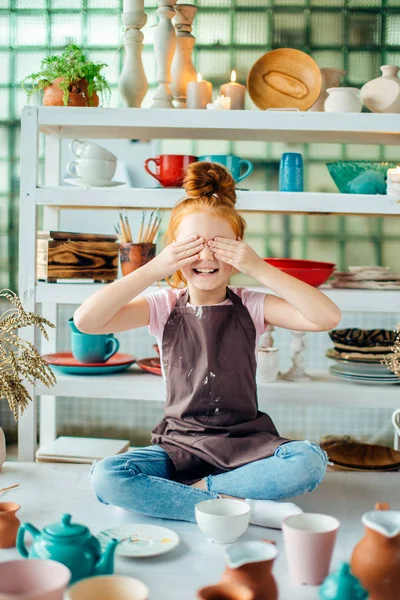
(48, 490)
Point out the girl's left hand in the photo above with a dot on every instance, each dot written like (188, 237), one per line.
(236, 253)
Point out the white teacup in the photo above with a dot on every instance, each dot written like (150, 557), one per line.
(108, 587)
(83, 149)
(92, 169)
(223, 520)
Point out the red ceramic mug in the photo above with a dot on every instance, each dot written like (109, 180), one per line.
(170, 168)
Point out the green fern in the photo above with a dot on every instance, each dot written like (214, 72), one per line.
(72, 66)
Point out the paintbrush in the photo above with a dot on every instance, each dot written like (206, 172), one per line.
(128, 228)
(146, 234)
(141, 228)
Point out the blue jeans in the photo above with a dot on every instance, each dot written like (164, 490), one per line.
(142, 480)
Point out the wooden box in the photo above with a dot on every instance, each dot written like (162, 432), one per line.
(65, 255)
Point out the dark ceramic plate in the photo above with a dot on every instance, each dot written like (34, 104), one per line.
(363, 338)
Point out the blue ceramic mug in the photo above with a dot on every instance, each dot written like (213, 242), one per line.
(88, 348)
(291, 177)
(232, 163)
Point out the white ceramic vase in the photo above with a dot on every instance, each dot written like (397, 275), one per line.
(2, 448)
(330, 79)
(382, 95)
(343, 100)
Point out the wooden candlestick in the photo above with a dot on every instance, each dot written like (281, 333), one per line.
(132, 82)
(164, 48)
(182, 69)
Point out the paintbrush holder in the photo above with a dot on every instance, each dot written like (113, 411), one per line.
(132, 256)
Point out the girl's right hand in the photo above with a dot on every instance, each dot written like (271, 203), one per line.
(176, 255)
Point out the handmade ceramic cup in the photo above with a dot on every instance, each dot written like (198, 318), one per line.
(33, 579)
(133, 256)
(223, 520)
(291, 176)
(92, 169)
(89, 349)
(83, 149)
(234, 164)
(9, 524)
(170, 168)
(108, 587)
(267, 365)
(309, 541)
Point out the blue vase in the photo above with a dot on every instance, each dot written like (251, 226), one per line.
(291, 177)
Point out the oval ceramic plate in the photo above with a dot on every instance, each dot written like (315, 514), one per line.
(356, 357)
(284, 78)
(140, 540)
(64, 362)
(151, 365)
(360, 456)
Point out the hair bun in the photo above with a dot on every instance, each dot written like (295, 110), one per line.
(206, 179)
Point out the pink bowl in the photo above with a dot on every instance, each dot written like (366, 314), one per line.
(33, 579)
(313, 272)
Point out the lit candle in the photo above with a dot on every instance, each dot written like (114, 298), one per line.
(220, 103)
(235, 91)
(393, 181)
(198, 93)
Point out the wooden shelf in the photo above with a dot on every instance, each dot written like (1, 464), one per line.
(252, 125)
(248, 201)
(323, 390)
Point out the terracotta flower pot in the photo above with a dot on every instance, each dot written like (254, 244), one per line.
(77, 94)
(9, 524)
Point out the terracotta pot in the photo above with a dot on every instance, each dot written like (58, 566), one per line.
(9, 524)
(2, 448)
(78, 94)
(133, 256)
(330, 79)
(376, 558)
(225, 591)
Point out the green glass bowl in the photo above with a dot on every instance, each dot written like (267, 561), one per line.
(360, 176)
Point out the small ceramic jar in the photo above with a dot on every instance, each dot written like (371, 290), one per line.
(267, 365)
(382, 95)
(343, 100)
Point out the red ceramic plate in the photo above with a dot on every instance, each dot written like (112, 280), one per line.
(313, 272)
(66, 359)
(151, 365)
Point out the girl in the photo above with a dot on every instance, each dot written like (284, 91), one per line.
(213, 441)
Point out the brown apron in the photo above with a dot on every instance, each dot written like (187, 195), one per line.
(212, 423)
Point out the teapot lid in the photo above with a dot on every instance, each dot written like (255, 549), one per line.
(66, 529)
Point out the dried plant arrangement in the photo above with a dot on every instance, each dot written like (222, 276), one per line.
(19, 359)
(393, 360)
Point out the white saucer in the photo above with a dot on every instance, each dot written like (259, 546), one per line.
(88, 183)
(140, 540)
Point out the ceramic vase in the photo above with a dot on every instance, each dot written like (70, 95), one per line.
(132, 81)
(182, 69)
(77, 94)
(2, 448)
(9, 524)
(382, 95)
(330, 79)
(343, 100)
(164, 49)
(376, 558)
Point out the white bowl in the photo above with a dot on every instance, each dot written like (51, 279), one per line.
(108, 587)
(223, 520)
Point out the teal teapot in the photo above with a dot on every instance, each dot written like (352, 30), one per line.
(70, 544)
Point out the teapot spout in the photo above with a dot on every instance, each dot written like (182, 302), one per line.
(105, 564)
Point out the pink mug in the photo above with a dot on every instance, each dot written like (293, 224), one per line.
(170, 168)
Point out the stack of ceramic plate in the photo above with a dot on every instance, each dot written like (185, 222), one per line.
(375, 278)
(358, 456)
(359, 355)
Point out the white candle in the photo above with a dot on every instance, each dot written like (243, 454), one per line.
(220, 103)
(235, 91)
(393, 182)
(198, 93)
(394, 174)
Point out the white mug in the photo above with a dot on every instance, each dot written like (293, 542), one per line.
(92, 170)
(267, 365)
(83, 149)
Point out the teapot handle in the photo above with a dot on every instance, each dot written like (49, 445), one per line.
(21, 535)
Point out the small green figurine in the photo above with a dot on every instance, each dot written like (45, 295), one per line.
(342, 585)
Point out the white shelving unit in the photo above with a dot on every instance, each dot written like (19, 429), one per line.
(144, 124)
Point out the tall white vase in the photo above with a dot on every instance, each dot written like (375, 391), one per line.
(164, 49)
(182, 69)
(2, 448)
(132, 82)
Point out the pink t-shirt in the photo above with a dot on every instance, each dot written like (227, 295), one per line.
(162, 302)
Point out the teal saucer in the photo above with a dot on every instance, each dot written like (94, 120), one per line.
(88, 370)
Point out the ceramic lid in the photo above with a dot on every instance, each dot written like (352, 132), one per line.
(66, 529)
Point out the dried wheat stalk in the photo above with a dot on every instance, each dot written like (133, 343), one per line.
(19, 359)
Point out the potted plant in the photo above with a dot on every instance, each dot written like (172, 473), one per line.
(19, 359)
(68, 79)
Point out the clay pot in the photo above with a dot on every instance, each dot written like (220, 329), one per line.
(225, 591)
(133, 256)
(9, 524)
(376, 558)
(78, 94)
(330, 79)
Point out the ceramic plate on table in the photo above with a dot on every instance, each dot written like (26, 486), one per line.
(64, 362)
(363, 340)
(151, 365)
(360, 456)
(366, 379)
(373, 370)
(140, 540)
(284, 78)
(356, 357)
(89, 183)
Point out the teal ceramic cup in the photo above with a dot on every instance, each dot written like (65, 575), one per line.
(88, 348)
(234, 164)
